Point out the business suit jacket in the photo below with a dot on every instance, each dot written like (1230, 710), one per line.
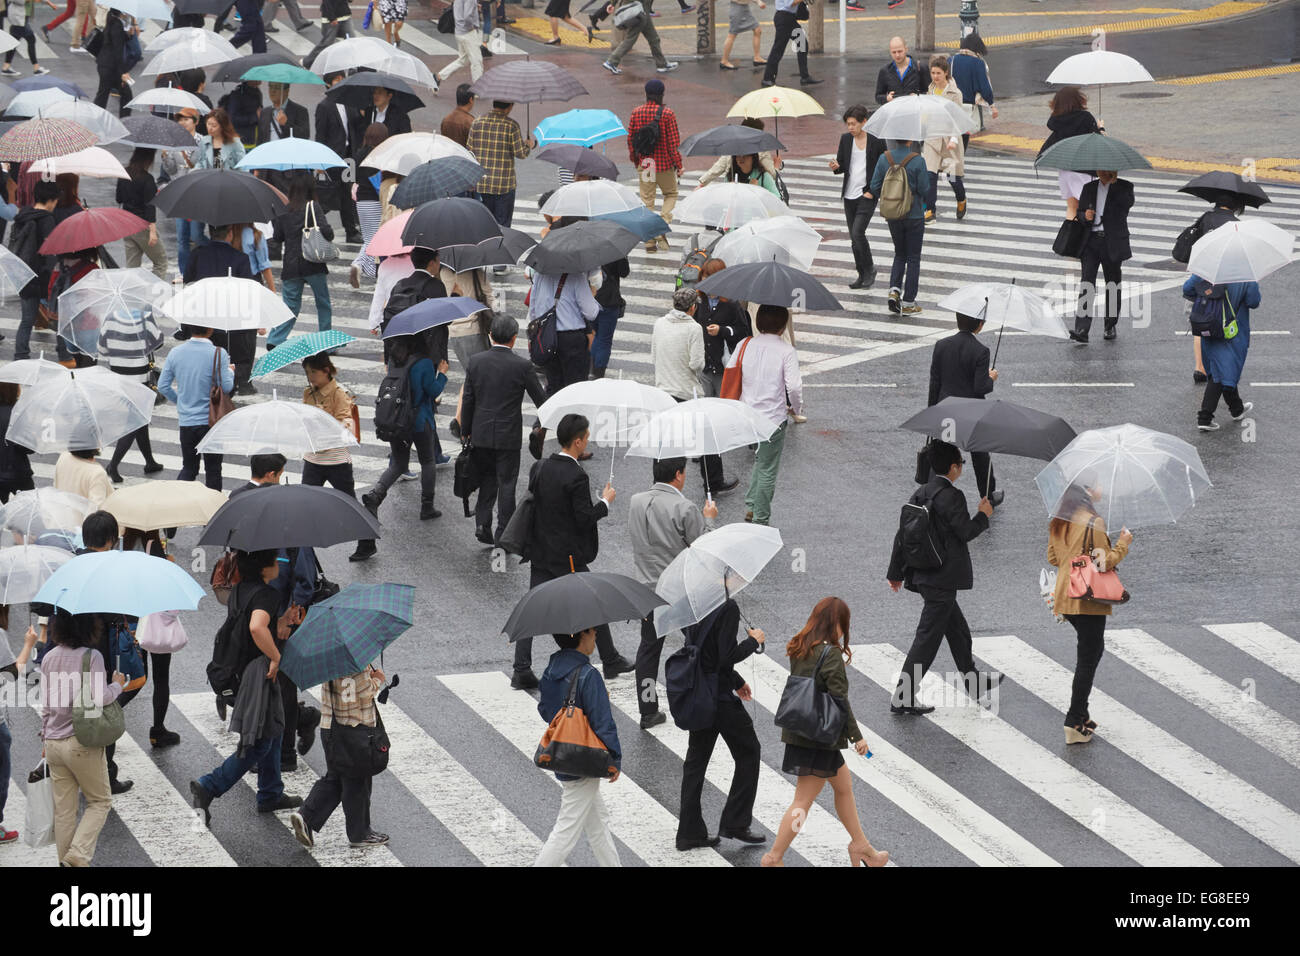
(952, 527)
(331, 131)
(396, 119)
(1114, 216)
(843, 152)
(959, 367)
(565, 517)
(495, 382)
(720, 652)
(217, 258)
(296, 123)
(661, 522)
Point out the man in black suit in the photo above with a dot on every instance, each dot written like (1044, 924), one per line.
(1104, 204)
(564, 539)
(959, 367)
(950, 530)
(383, 110)
(495, 383)
(280, 120)
(336, 129)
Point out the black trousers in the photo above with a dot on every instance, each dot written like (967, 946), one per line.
(498, 470)
(340, 476)
(570, 363)
(647, 668)
(1094, 257)
(784, 23)
(710, 466)
(1091, 631)
(289, 698)
(107, 83)
(736, 728)
(347, 205)
(1210, 401)
(941, 617)
(331, 790)
(524, 648)
(161, 679)
(191, 435)
(858, 213)
(139, 437)
(243, 351)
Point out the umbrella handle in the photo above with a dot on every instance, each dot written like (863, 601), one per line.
(997, 348)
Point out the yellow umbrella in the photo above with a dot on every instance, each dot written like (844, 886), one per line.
(151, 505)
(776, 101)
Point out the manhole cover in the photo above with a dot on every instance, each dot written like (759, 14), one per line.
(1150, 95)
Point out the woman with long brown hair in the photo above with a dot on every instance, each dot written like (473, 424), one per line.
(135, 195)
(821, 649)
(221, 148)
(1070, 117)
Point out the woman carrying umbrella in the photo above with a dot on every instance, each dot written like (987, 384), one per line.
(748, 169)
(369, 210)
(135, 195)
(15, 466)
(1228, 207)
(175, 164)
(69, 203)
(944, 153)
(971, 74)
(157, 663)
(1070, 117)
(1226, 357)
(768, 159)
(221, 148)
(127, 344)
(295, 270)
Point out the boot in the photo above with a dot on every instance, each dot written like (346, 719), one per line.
(372, 500)
(365, 550)
(427, 510)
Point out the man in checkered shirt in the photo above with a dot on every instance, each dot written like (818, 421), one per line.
(661, 168)
(496, 142)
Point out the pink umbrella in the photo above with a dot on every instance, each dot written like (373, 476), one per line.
(387, 240)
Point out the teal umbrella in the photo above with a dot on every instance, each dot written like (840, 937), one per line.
(346, 633)
(1091, 152)
(282, 73)
(298, 348)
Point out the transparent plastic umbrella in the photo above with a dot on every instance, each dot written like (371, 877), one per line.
(785, 239)
(84, 307)
(93, 408)
(290, 428)
(14, 273)
(34, 513)
(190, 36)
(228, 303)
(728, 205)
(716, 566)
(24, 569)
(170, 99)
(1140, 477)
(1241, 252)
(32, 102)
(919, 117)
(615, 407)
(118, 338)
(107, 127)
(37, 371)
(701, 426)
(1005, 305)
(374, 54)
(594, 197)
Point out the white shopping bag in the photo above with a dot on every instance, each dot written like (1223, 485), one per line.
(38, 827)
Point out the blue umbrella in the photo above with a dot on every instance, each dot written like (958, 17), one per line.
(431, 313)
(346, 633)
(120, 582)
(291, 153)
(580, 127)
(642, 221)
(48, 82)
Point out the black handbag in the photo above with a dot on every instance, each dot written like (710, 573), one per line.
(358, 751)
(809, 711)
(466, 480)
(922, 474)
(1070, 238)
(1182, 251)
(801, 11)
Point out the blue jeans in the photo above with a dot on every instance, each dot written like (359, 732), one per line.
(908, 235)
(265, 756)
(187, 232)
(501, 205)
(291, 293)
(5, 740)
(603, 344)
(31, 309)
(932, 192)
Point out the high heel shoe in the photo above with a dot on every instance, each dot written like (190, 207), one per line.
(870, 856)
(1078, 735)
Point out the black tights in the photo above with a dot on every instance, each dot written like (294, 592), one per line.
(140, 437)
(162, 687)
(1091, 631)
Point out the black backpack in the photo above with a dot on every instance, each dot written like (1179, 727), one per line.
(404, 295)
(1212, 315)
(1182, 251)
(645, 139)
(231, 649)
(543, 337)
(447, 22)
(692, 693)
(922, 546)
(394, 410)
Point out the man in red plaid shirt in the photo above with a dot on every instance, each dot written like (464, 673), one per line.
(663, 165)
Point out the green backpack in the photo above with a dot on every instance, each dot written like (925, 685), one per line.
(93, 725)
(895, 191)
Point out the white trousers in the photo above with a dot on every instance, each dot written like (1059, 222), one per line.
(468, 48)
(581, 811)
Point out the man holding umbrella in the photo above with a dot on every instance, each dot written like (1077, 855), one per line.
(1103, 204)
(960, 366)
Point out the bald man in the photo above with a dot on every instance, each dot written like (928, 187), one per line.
(901, 75)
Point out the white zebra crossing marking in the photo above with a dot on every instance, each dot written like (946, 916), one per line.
(1266, 645)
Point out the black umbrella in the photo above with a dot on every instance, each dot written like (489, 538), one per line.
(436, 179)
(771, 283)
(289, 516)
(580, 160)
(994, 426)
(729, 140)
(214, 7)
(219, 197)
(449, 222)
(357, 90)
(581, 247)
(574, 602)
(503, 251)
(154, 132)
(232, 70)
(1213, 185)
(527, 81)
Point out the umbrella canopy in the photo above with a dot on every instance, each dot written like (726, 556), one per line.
(1099, 68)
(144, 9)
(372, 53)
(168, 99)
(431, 313)
(42, 138)
(528, 81)
(701, 426)
(32, 102)
(1139, 477)
(46, 82)
(152, 505)
(771, 283)
(400, 154)
(92, 409)
(1005, 305)
(120, 339)
(194, 49)
(289, 516)
(126, 294)
(291, 428)
(579, 128)
(106, 127)
(728, 205)
(347, 632)
(645, 224)
(1241, 252)
(14, 273)
(213, 7)
(90, 228)
(615, 407)
(450, 222)
(232, 71)
(36, 512)
(357, 91)
(1091, 152)
(581, 247)
(228, 303)
(1218, 183)
(503, 251)
(578, 159)
(919, 117)
(93, 162)
(436, 179)
(572, 603)
(291, 153)
(785, 239)
(188, 36)
(29, 372)
(729, 140)
(594, 197)
(298, 348)
(120, 582)
(282, 73)
(219, 197)
(154, 132)
(993, 426)
(778, 101)
(715, 567)
(387, 240)
(24, 569)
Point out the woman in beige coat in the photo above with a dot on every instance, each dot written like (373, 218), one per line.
(1066, 539)
(944, 154)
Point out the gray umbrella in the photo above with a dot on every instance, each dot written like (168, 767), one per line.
(1091, 152)
(527, 81)
(994, 426)
(581, 247)
(729, 140)
(449, 222)
(154, 132)
(771, 283)
(579, 160)
(289, 516)
(575, 602)
(232, 70)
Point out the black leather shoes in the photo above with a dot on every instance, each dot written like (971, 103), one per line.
(653, 720)
(116, 787)
(523, 680)
(286, 801)
(744, 836)
(917, 711)
(698, 844)
(202, 800)
(619, 665)
(1080, 338)
(1110, 334)
(728, 485)
(365, 550)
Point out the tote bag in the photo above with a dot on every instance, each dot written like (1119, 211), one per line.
(733, 377)
(1089, 582)
(315, 247)
(810, 711)
(38, 823)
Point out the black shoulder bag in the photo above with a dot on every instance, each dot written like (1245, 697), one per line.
(358, 751)
(810, 711)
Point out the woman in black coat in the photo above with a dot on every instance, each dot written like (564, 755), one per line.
(1070, 117)
(111, 63)
(296, 271)
(725, 323)
(15, 468)
(855, 160)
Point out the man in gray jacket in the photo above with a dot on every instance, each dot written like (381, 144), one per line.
(662, 523)
(469, 41)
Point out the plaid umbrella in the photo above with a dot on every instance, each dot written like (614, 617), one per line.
(436, 179)
(347, 632)
(298, 348)
(528, 81)
(43, 138)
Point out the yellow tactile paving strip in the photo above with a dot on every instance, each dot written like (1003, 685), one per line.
(1233, 75)
(1219, 11)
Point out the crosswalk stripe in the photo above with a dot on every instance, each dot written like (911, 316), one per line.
(19, 853)
(291, 39)
(1154, 748)
(1223, 701)
(425, 43)
(1266, 645)
(331, 847)
(636, 818)
(1075, 794)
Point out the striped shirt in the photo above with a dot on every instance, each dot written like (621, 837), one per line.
(128, 342)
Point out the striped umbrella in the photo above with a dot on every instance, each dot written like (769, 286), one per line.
(346, 633)
(43, 138)
(298, 348)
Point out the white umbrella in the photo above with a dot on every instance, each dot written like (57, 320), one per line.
(592, 198)
(94, 162)
(33, 513)
(290, 428)
(107, 127)
(144, 9)
(31, 102)
(14, 273)
(37, 371)
(197, 36)
(728, 205)
(785, 239)
(702, 426)
(716, 566)
(614, 407)
(102, 291)
(375, 54)
(400, 154)
(170, 99)
(1099, 68)
(93, 408)
(1005, 305)
(25, 568)
(228, 303)
(1241, 252)
(206, 50)
(919, 117)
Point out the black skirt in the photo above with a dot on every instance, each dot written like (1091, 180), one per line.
(811, 761)
(558, 8)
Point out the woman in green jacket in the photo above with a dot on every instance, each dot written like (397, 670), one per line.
(822, 647)
(749, 169)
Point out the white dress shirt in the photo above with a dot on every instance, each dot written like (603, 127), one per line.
(1102, 190)
(769, 372)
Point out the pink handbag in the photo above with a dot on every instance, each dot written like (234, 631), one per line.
(1089, 582)
(161, 633)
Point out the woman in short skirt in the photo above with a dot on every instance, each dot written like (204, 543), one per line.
(558, 10)
(393, 13)
(821, 648)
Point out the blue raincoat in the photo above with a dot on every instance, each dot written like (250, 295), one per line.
(1225, 358)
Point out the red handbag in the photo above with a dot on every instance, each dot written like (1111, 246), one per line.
(1090, 582)
(733, 377)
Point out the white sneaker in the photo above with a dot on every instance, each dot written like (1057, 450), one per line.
(301, 831)
(1245, 410)
(40, 71)
(612, 68)
(1210, 427)
(667, 67)
(8, 71)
